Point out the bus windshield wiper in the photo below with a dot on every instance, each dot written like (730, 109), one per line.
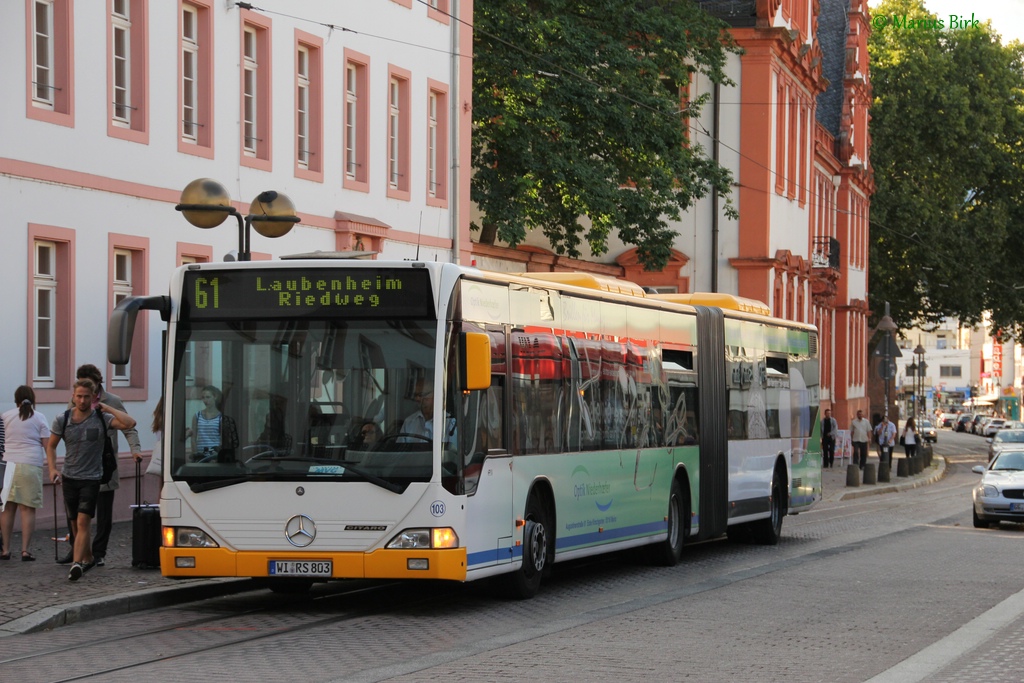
(349, 465)
(211, 484)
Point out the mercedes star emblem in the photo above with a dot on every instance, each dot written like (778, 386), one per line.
(300, 531)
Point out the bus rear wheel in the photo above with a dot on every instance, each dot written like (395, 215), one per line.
(769, 531)
(668, 552)
(525, 581)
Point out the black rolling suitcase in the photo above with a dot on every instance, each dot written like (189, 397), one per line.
(145, 529)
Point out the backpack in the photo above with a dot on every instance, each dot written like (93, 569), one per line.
(109, 456)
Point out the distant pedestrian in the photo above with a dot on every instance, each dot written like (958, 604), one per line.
(909, 439)
(83, 463)
(860, 433)
(829, 427)
(885, 432)
(26, 433)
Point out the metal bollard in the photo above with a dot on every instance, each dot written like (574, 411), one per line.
(883, 471)
(902, 468)
(852, 475)
(869, 473)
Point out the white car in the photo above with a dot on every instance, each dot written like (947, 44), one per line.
(993, 426)
(999, 496)
(1005, 440)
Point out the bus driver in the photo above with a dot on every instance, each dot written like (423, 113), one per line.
(421, 422)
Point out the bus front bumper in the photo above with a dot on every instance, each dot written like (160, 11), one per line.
(448, 564)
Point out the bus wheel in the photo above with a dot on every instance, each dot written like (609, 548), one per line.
(525, 581)
(290, 586)
(769, 531)
(668, 552)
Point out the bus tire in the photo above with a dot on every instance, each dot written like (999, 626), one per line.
(524, 583)
(668, 552)
(769, 531)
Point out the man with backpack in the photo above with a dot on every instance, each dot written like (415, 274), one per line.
(84, 434)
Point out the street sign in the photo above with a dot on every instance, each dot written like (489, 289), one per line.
(886, 368)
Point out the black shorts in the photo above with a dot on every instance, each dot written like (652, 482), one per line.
(80, 496)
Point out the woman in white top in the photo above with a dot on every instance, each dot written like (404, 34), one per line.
(26, 432)
(910, 438)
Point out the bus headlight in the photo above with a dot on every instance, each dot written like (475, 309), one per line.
(424, 539)
(189, 537)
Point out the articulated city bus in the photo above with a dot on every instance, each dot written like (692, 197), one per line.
(331, 419)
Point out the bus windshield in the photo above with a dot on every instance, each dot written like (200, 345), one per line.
(302, 400)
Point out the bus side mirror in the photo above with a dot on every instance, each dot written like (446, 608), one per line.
(121, 328)
(475, 361)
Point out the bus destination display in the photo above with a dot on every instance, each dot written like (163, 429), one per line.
(316, 293)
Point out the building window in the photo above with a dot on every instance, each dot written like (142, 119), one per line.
(42, 32)
(50, 68)
(940, 342)
(437, 144)
(50, 333)
(950, 371)
(357, 121)
(302, 106)
(45, 285)
(128, 70)
(122, 288)
(196, 79)
(308, 108)
(127, 277)
(438, 10)
(255, 59)
(249, 72)
(398, 133)
(121, 30)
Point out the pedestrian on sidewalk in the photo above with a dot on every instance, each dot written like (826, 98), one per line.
(909, 439)
(829, 427)
(25, 436)
(860, 431)
(885, 433)
(83, 463)
(105, 501)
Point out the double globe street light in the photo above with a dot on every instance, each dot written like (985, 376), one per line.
(206, 204)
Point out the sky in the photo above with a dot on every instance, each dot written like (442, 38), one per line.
(1007, 15)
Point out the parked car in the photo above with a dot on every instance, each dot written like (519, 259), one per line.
(978, 423)
(1005, 440)
(1013, 424)
(926, 428)
(993, 426)
(948, 420)
(1004, 475)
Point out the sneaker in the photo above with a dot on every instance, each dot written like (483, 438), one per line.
(67, 558)
(76, 572)
(87, 566)
(99, 561)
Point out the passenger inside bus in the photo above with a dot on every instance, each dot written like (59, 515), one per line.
(365, 435)
(213, 434)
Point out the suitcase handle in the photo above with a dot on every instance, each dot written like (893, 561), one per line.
(138, 482)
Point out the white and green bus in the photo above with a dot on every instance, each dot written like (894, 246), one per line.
(575, 416)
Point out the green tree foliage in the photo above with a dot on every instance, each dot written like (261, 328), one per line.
(577, 122)
(946, 147)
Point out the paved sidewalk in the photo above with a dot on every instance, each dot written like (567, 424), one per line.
(833, 480)
(37, 595)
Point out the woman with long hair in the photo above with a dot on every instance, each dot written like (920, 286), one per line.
(910, 438)
(26, 433)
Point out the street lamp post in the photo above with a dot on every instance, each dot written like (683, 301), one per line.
(912, 370)
(921, 367)
(205, 204)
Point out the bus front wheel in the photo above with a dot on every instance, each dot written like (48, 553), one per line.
(525, 581)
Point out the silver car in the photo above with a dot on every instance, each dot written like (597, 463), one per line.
(1005, 439)
(999, 496)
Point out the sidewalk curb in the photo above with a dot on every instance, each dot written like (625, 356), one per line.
(861, 492)
(123, 603)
